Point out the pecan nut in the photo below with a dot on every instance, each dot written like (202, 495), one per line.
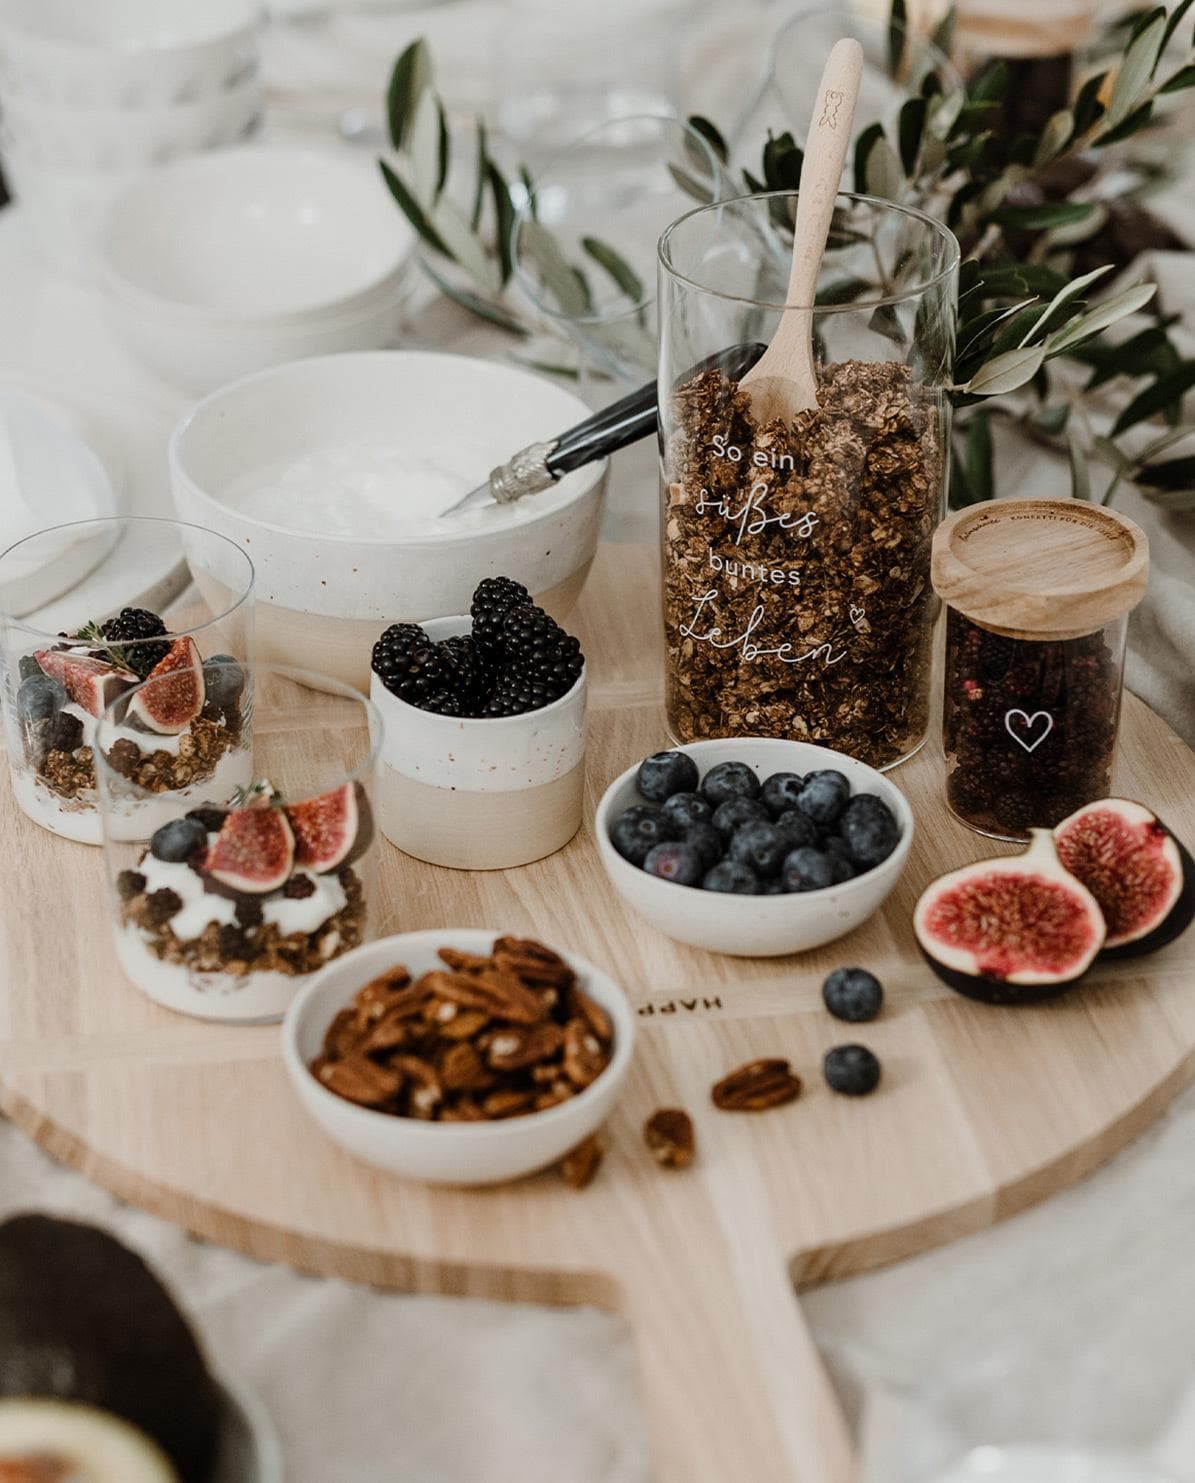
(755, 1087)
(517, 1048)
(669, 1135)
(499, 995)
(584, 1058)
(358, 1079)
(580, 1164)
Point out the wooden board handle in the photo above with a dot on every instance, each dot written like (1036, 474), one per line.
(732, 1381)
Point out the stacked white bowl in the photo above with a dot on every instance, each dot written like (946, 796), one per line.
(240, 259)
(93, 91)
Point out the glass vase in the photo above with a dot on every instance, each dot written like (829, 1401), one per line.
(796, 554)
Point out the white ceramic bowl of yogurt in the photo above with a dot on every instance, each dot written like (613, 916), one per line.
(330, 473)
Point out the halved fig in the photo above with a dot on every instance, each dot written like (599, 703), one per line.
(254, 850)
(325, 828)
(90, 682)
(172, 695)
(51, 1441)
(1142, 877)
(1012, 930)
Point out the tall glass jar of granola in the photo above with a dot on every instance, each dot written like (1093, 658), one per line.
(796, 555)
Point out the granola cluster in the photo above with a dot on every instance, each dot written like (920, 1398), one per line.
(797, 596)
(250, 945)
(482, 1038)
(199, 750)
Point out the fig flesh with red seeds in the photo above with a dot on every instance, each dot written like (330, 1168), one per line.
(172, 695)
(332, 829)
(1142, 877)
(93, 684)
(254, 851)
(1016, 929)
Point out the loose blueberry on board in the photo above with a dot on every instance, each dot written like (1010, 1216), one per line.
(761, 846)
(730, 780)
(870, 830)
(178, 840)
(851, 1070)
(824, 795)
(798, 828)
(807, 869)
(683, 810)
(706, 840)
(781, 791)
(639, 830)
(733, 879)
(677, 861)
(853, 994)
(729, 817)
(40, 697)
(665, 773)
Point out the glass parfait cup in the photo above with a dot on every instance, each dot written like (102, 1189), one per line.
(77, 580)
(223, 906)
(796, 556)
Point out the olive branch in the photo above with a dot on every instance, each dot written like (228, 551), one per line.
(1034, 215)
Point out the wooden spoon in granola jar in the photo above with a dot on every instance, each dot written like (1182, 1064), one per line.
(784, 381)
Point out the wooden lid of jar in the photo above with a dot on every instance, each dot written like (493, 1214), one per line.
(1025, 28)
(1040, 568)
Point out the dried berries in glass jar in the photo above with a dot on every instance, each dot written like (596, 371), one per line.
(1039, 593)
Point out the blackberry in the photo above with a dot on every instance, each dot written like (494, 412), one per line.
(475, 673)
(298, 888)
(492, 600)
(392, 653)
(129, 883)
(160, 906)
(137, 623)
(249, 912)
(540, 662)
(431, 677)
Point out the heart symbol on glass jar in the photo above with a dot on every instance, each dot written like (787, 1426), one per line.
(1021, 727)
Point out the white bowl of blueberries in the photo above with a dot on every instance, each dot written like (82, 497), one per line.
(757, 847)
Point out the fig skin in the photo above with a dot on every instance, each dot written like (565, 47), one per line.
(1040, 859)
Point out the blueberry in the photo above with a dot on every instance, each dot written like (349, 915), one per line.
(824, 795)
(729, 817)
(733, 879)
(39, 697)
(28, 667)
(178, 840)
(708, 843)
(665, 773)
(870, 830)
(638, 830)
(840, 858)
(852, 1070)
(773, 887)
(807, 869)
(797, 827)
(729, 780)
(761, 846)
(780, 792)
(223, 680)
(674, 860)
(683, 810)
(211, 817)
(853, 994)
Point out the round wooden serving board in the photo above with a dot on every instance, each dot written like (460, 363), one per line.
(981, 1112)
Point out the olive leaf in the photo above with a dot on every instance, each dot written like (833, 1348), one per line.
(624, 276)
(1105, 314)
(1063, 298)
(1080, 470)
(483, 171)
(1174, 475)
(1137, 68)
(504, 219)
(1007, 372)
(485, 309)
(412, 210)
(1058, 132)
(910, 126)
(898, 35)
(1167, 391)
(1176, 17)
(979, 460)
(1042, 218)
(863, 147)
(883, 175)
(410, 79)
(423, 147)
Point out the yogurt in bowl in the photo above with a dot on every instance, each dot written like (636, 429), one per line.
(331, 473)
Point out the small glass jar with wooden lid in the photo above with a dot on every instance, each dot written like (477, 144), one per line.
(1038, 596)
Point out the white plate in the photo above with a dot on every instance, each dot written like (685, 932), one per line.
(48, 476)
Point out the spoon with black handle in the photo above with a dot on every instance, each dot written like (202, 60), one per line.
(539, 465)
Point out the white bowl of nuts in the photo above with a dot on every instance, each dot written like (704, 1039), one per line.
(459, 1057)
(755, 847)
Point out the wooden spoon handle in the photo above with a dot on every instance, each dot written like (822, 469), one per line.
(825, 156)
